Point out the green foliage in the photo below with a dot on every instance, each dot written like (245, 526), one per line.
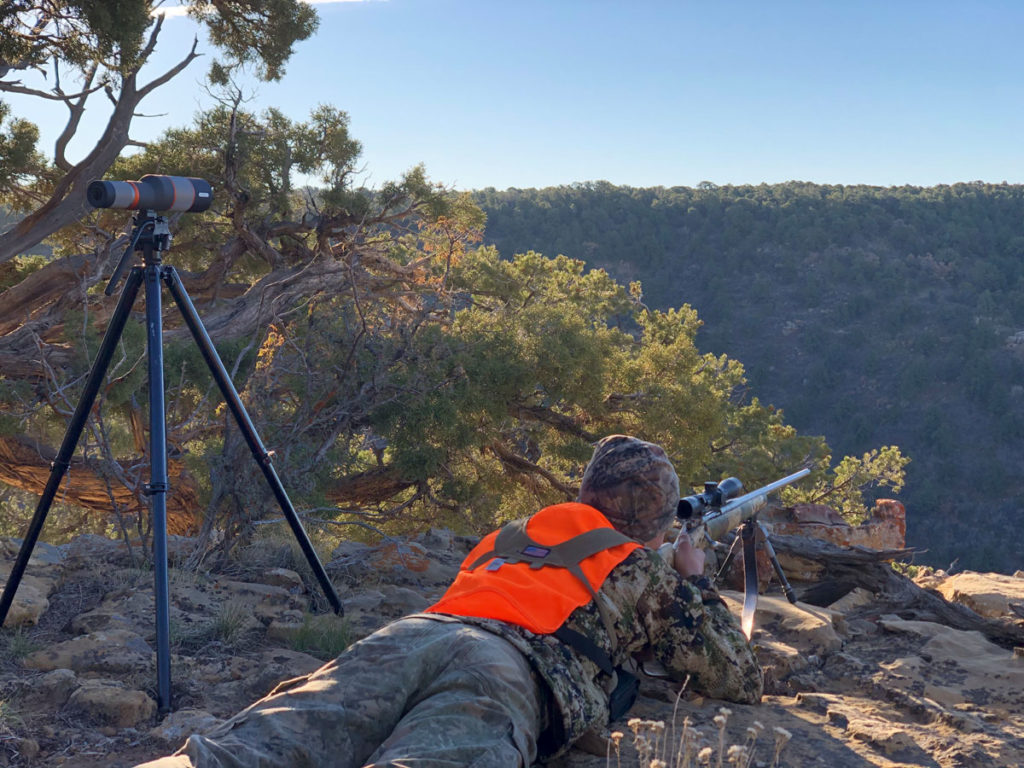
(228, 626)
(20, 161)
(16, 645)
(912, 570)
(843, 487)
(324, 636)
(72, 32)
(78, 33)
(230, 622)
(260, 32)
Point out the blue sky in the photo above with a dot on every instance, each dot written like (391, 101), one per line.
(533, 93)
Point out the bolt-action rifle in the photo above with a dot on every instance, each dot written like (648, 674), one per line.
(707, 517)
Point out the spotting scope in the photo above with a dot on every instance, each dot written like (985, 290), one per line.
(152, 192)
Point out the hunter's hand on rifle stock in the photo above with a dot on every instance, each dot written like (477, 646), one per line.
(687, 559)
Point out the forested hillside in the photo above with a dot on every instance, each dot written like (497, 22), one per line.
(872, 316)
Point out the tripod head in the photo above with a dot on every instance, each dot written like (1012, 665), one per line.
(151, 236)
(151, 193)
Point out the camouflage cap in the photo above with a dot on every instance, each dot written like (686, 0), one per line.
(633, 484)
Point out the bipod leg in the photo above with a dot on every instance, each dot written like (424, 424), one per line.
(746, 534)
(770, 550)
(259, 452)
(62, 462)
(728, 558)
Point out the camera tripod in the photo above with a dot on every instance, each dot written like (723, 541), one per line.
(151, 237)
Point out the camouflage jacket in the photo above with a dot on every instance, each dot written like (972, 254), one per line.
(657, 615)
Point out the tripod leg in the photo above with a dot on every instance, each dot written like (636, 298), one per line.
(74, 431)
(263, 458)
(158, 481)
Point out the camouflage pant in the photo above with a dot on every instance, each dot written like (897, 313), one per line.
(419, 693)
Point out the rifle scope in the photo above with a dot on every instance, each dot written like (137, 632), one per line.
(715, 494)
(152, 192)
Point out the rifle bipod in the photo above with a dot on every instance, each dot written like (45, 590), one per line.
(746, 535)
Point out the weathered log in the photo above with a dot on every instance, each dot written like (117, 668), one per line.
(26, 465)
(870, 569)
(373, 486)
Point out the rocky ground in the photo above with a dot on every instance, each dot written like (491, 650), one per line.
(859, 683)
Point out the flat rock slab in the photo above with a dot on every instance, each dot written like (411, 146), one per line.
(113, 651)
(960, 670)
(990, 594)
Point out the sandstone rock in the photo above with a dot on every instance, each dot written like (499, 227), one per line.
(809, 629)
(55, 687)
(109, 703)
(989, 594)
(891, 739)
(401, 601)
(247, 592)
(781, 659)
(117, 650)
(885, 529)
(954, 668)
(800, 569)
(429, 561)
(178, 726)
(284, 578)
(49, 691)
(43, 554)
(129, 608)
(43, 575)
(393, 555)
(90, 549)
(224, 699)
(100, 619)
(28, 606)
(852, 600)
(348, 550)
(858, 690)
(238, 680)
(285, 627)
(363, 611)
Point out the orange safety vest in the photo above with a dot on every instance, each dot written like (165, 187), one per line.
(504, 576)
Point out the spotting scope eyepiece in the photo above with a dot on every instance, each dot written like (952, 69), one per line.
(152, 192)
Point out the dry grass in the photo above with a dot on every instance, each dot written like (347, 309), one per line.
(658, 747)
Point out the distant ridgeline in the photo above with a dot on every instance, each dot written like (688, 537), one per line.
(872, 316)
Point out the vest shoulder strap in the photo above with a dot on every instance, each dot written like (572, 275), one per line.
(514, 545)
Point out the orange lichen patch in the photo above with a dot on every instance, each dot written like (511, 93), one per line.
(393, 556)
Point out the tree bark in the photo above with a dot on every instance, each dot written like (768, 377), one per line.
(26, 466)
